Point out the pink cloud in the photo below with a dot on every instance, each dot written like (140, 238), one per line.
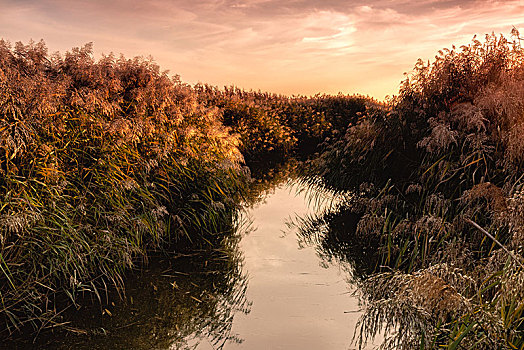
(292, 47)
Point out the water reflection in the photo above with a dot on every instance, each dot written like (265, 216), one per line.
(265, 181)
(298, 303)
(176, 303)
(332, 232)
(199, 300)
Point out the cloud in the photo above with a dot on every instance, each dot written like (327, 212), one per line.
(293, 46)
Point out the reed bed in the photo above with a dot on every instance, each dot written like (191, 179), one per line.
(435, 176)
(100, 162)
(274, 127)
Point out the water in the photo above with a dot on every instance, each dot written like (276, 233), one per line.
(297, 303)
(265, 292)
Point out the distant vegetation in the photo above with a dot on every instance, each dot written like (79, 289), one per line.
(445, 155)
(273, 125)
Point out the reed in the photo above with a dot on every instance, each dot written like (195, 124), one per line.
(276, 127)
(443, 153)
(100, 162)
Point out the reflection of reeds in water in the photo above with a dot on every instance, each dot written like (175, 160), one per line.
(331, 232)
(442, 302)
(265, 177)
(175, 303)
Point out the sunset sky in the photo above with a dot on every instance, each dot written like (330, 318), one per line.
(282, 46)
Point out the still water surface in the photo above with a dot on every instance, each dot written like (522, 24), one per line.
(297, 303)
(264, 292)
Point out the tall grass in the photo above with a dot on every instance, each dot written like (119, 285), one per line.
(99, 163)
(445, 153)
(104, 161)
(177, 301)
(274, 126)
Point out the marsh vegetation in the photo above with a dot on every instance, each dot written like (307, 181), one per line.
(435, 179)
(106, 163)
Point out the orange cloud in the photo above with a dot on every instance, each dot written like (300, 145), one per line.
(291, 47)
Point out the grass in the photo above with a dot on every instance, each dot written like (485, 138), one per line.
(103, 162)
(100, 162)
(441, 155)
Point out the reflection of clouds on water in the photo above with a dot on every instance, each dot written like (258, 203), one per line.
(331, 232)
(297, 303)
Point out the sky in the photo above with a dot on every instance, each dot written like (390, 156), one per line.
(288, 47)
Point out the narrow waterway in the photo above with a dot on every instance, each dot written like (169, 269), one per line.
(265, 291)
(298, 302)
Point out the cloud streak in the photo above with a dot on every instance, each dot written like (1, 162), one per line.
(292, 47)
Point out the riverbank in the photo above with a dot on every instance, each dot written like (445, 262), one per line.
(103, 162)
(260, 287)
(436, 183)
